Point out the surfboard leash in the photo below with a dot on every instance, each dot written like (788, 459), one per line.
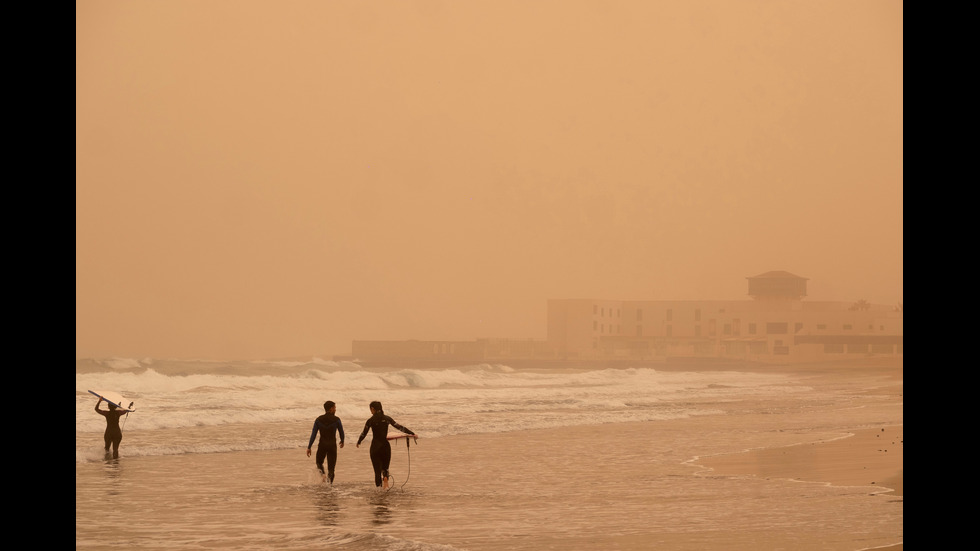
(408, 448)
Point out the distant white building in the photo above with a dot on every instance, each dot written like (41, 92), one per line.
(776, 324)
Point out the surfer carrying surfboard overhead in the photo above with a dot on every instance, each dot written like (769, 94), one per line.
(380, 448)
(113, 433)
(328, 425)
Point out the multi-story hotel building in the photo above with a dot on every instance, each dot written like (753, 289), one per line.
(776, 324)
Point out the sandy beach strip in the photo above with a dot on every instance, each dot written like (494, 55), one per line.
(872, 457)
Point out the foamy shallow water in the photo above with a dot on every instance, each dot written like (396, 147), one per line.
(578, 460)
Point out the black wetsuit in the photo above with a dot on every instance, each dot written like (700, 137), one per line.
(328, 425)
(113, 434)
(380, 448)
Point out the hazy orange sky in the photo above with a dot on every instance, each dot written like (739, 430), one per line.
(262, 179)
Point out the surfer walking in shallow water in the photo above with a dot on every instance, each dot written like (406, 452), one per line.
(113, 433)
(329, 426)
(378, 424)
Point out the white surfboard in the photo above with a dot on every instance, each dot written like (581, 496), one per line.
(116, 399)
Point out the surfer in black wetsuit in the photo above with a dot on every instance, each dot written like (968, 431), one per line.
(113, 434)
(328, 425)
(380, 448)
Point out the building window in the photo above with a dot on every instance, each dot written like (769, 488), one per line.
(727, 330)
(857, 349)
(736, 327)
(821, 326)
(639, 315)
(697, 330)
(697, 314)
(847, 326)
(751, 329)
(670, 314)
(595, 325)
(778, 348)
(777, 328)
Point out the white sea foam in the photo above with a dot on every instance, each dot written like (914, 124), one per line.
(250, 403)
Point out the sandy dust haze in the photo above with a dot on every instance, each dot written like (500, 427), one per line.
(262, 179)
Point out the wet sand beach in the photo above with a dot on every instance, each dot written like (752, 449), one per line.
(820, 474)
(868, 457)
(872, 456)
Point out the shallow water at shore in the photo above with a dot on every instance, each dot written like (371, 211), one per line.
(629, 485)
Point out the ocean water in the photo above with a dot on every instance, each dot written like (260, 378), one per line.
(572, 458)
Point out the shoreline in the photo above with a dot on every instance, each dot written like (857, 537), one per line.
(872, 457)
(866, 456)
(869, 457)
(684, 484)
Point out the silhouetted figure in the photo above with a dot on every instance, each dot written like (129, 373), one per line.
(113, 433)
(328, 425)
(380, 448)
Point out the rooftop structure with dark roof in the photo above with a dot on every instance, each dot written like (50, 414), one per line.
(777, 285)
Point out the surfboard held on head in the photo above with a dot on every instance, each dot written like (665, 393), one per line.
(115, 399)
